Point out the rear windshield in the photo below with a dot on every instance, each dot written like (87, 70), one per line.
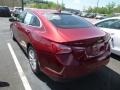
(67, 20)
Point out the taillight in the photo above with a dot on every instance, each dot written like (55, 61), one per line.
(108, 48)
(107, 37)
(60, 49)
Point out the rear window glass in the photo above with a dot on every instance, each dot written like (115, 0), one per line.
(67, 20)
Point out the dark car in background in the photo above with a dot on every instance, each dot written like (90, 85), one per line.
(91, 15)
(4, 11)
(88, 15)
(101, 16)
(73, 11)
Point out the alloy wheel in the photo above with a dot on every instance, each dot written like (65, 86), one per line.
(32, 59)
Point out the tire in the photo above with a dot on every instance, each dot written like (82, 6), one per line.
(12, 35)
(33, 60)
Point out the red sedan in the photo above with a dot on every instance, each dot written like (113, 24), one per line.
(61, 45)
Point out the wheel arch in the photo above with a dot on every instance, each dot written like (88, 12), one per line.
(28, 45)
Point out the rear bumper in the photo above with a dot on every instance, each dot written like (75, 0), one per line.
(78, 71)
(74, 71)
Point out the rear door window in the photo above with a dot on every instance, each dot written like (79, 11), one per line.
(35, 21)
(28, 18)
(31, 19)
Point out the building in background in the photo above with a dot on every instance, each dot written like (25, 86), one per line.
(10, 3)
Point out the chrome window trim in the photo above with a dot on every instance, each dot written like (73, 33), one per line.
(37, 18)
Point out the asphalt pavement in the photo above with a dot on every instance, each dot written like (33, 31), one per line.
(16, 74)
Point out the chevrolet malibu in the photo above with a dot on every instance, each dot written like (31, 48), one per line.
(61, 45)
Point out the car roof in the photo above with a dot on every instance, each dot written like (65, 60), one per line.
(118, 17)
(41, 11)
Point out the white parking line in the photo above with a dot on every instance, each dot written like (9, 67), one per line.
(19, 68)
(114, 65)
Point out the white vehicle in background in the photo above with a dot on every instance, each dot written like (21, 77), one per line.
(16, 10)
(112, 26)
(101, 16)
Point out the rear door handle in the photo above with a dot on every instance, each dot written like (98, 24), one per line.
(20, 28)
(28, 31)
(112, 34)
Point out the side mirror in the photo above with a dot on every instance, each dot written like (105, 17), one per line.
(12, 19)
(95, 25)
(16, 15)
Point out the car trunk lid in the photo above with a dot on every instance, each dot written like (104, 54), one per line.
(85, 42)
(75, 34)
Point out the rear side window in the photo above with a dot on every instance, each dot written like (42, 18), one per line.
(67, 21)
(35, 21)
(21, 17)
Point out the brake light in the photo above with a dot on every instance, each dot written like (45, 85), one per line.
(108, 46)
(60, 49)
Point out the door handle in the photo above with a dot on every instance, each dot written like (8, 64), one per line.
(112, 34)
(20, 28)
(28, 31)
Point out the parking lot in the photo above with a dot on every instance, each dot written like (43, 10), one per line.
(16, 74)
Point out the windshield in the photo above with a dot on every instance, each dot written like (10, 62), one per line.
(67, 20)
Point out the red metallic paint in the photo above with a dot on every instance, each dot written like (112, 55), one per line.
(63, 65)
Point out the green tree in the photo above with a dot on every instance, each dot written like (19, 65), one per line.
(108, 9)
(117, 9)
(48, 5)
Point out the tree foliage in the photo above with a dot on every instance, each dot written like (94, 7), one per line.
(108, 9)
(48, 5)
